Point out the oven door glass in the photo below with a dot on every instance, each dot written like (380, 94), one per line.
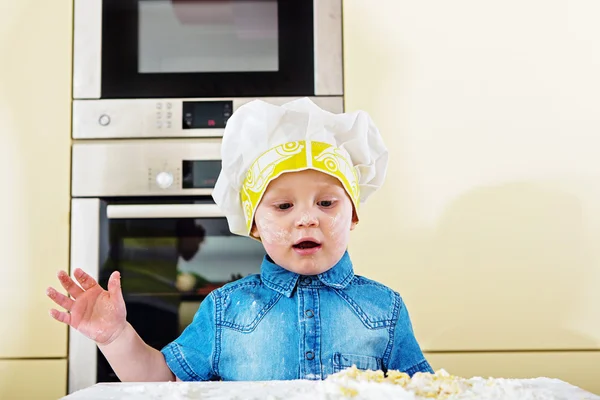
(168, 265)
(207, 48)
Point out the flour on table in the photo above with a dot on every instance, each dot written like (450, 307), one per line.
(350, 384)
(444, 386)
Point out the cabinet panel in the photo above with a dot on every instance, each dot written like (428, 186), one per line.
(33, 379)
(577, 368)
(35, 75)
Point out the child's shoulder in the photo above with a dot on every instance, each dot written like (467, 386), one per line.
(247, 283)
(240, 304)
(377, 304)
(362, 282)
(373, 292)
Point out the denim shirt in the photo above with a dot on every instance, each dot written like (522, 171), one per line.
(280, 325)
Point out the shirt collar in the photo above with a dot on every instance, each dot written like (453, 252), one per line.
(283, 281)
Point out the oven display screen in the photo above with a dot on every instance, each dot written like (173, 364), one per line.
(200, 174)
(206, 114)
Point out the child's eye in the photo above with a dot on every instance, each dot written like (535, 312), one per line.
(283, 206)
(325, 203)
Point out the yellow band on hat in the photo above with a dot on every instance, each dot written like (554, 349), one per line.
(291, 157)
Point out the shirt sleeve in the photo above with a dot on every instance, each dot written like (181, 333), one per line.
(406, 355)
(190, 357)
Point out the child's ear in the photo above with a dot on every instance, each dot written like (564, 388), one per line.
(354, 220)
(254, 232)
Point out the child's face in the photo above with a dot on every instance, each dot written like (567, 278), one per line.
(304, 221)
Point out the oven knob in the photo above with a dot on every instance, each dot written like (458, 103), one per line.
(104, 120)
(164, 180)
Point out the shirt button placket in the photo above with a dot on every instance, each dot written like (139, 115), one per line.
(311, 330)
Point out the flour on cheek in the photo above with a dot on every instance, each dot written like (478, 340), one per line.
(271, 233)
(339, 230)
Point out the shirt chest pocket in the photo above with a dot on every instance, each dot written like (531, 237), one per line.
(242, 310)
(343, 361)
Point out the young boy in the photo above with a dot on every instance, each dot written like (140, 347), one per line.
(293, 177)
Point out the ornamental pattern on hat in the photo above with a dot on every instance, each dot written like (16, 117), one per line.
(291, 157)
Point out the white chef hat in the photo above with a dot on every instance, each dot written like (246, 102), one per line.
(263, 141)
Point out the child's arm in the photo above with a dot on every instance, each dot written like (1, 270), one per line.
(133, 360)
(100, 315)
(406, 354)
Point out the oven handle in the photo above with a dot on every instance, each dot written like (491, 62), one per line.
(120, 211)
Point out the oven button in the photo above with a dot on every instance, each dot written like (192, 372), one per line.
(164, 180)
(104, 120)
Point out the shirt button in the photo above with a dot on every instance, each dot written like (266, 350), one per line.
(309, 313)
(310, 355)
(306, 281)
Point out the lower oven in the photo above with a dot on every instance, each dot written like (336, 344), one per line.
(143, 208)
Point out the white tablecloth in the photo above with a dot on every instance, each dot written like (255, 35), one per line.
(509, 389)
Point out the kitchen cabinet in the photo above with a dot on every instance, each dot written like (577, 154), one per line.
(33, 379)
(35, 87)
(489, 218)
(578, 368)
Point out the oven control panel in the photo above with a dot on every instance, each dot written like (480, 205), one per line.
(166, 118)
(160, 167)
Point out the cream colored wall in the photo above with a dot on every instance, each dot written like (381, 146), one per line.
(33, 379)
(35, 73)
(489, 220)
(489, 217)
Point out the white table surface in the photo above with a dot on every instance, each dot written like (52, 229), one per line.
(509, 389)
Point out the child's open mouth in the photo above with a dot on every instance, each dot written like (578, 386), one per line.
(306, 247)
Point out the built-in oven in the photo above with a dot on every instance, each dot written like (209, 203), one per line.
(128, 49)
(144, 208)
(168, 51)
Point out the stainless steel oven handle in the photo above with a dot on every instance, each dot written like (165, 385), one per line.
(120, 211)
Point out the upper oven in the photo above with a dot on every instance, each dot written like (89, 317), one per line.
(133, 49)
(144, 208)
(180, 68)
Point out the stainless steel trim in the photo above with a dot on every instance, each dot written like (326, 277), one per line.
(87, 49)
(85, 254)
(157, 118)
(329, 80)
(163, 211)
(132, 167)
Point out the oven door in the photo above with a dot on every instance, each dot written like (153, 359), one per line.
(207, 48)
(171, 253)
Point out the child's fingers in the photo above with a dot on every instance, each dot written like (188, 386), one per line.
(86, 281)
(70, 286)
(114, 285)
(60, 299)
(61, 316)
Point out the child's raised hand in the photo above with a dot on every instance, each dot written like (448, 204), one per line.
(97, 313)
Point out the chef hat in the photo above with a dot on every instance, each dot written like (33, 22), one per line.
(263, 141)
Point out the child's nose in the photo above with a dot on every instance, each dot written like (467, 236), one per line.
(306, 219)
